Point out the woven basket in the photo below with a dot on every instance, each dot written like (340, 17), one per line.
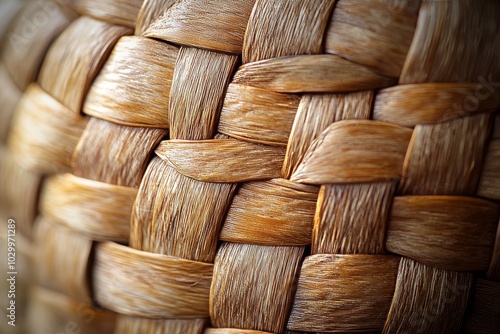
(250, 166)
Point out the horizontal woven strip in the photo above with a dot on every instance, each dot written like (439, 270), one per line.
(162, 286)
(105, 214)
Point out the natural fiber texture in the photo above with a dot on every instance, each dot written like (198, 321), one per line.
(364, 33)
(351, 219)
(418, 229)
(309, 124)
(253, 166)
(107, 150)
(194, 111)
(330, 282)
(176, 217)
(317, 73)
(119, 12)
(254, 216)
(257, 115)
(99, 210)
(214, 24)
(155, 280)
(408, 105)
(200, 159)
(461, 58)
(354, 151)
(151, 64)
(447, 157)
(90, 41)
(72, 253)
(421, 290)
(298, 25)
(258, 281)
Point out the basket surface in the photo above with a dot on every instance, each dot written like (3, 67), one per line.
(252, 166)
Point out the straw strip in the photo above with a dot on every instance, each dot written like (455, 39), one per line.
(52, 312)
(494, 269)
(351, 219)
(471, 51)
(119, 12)
(375, 33)
(428, 300)
(76, 57)
(258, 115)
(164, 225)
(102, 156)
(10, 95)
(44, 133)
(97, 210)
(408, 105)
(355, 151)
(257, 281)
(484, 314)
(133, 87)
(132, 325)
(315, 114)
(489, 183)
(217, 25)
(287, 189)
(255, 216)
(185, 216)
(452, 151)
(200, 80)
(60, 252)
(176, 215)
(453, 158)
(29, 40)
(314, 73)
(453, 233)
(19, 196)
(344, 293)
(201, 159)
(284, 28)
(163, 286)
(150, 11)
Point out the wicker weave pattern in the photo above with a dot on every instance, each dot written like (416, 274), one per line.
(273, 166)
